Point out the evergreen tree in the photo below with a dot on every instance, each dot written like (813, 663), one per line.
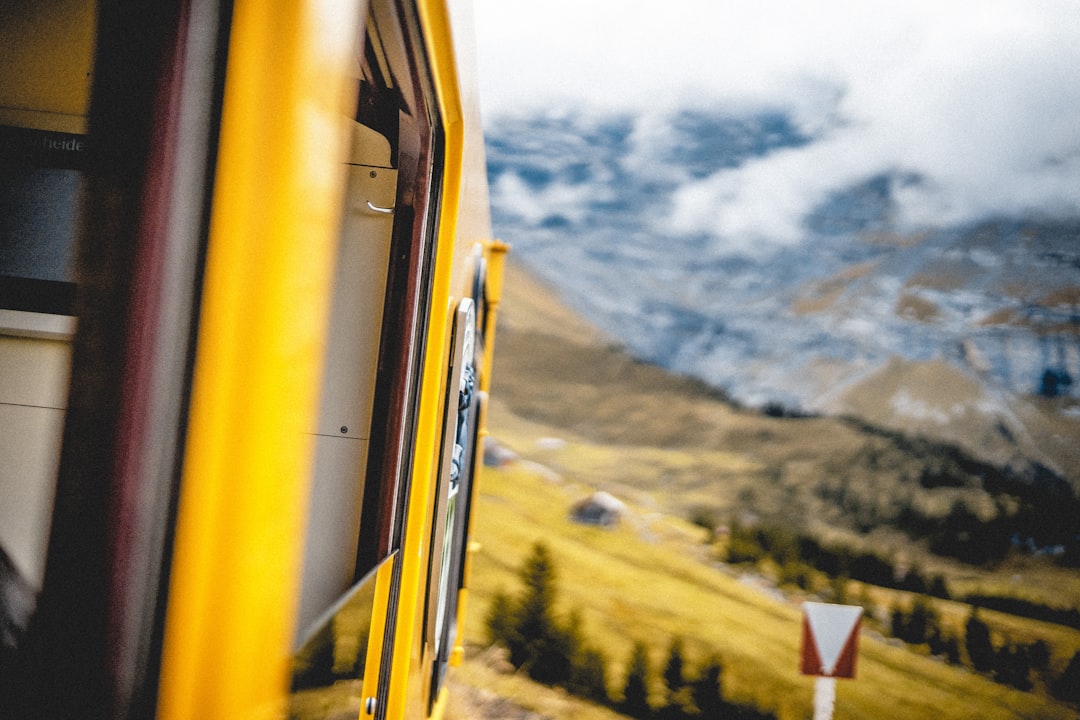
(635, 701)
(678, 693)
(898, 622)
(500, 621)
(529, 628)
(673, 670)
(917, 627)
(922, 623)
(588, 678)
(588, 666)
(839, 586)
(535, 613)
(977, 642)
(939, 588)
(944, 644)
(538, 644)
(707, 690)
(1012, 666)
(1067, 685)
(1039, 655)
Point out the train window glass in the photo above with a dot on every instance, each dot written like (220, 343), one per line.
(37, 228)
(40, 175)
(45, 71)
(46, 58)
(332, 659)
(451, 511)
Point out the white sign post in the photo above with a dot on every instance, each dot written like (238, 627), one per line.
(824, 698)
(830, 639)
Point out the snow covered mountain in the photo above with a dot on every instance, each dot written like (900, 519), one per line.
(647, 226)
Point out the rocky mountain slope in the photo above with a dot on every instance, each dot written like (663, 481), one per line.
(696, 452)
(967, 334)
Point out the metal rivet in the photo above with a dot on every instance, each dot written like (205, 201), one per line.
(373, 173)
(344, 429)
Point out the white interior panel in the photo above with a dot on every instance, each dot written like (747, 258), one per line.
(33, 393)
(345, 414)
(34, 371)
(356, 318)
(334, 518)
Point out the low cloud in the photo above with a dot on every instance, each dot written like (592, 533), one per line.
(976, 100)
(535, 206)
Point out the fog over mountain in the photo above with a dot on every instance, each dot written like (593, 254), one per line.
(807, 204)
(642, 221)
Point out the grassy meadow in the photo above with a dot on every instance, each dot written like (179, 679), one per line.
(582, 416)
(649, 580)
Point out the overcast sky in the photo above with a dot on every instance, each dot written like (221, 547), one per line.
(978, 98)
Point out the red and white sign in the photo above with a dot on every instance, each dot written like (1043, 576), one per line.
(830, 639)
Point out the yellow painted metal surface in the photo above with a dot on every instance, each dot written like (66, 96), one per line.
(373, 663)
(495, 251)
(464, 220)
(276, 208)
(495, 255)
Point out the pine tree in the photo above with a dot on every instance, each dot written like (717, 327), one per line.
(500, 621)
(673, 670)
(1067, 685)
(977, 642)
(939, 588)
(1012, 666)
(589, 676)
(549, 650)
(1039, 655)
(588, 666)
(535, 613)
(707, 690)
(539, 644)
(635, 701)
(678, 692)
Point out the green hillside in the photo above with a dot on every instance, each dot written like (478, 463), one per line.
(581, 416)
(923, 502)
(647, 580)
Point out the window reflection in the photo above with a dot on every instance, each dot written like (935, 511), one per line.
(38, 226)
(331, 664)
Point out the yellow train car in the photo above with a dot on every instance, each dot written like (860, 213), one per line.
(248, 295)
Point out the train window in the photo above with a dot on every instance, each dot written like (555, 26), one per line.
(40, 175)
(39, 182)
(43, 105)
(44, 96)
(375, 351)
(330, 665)
(36, 236)
(375, 345)
(451, 513)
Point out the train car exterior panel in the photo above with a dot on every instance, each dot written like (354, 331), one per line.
(278, 332)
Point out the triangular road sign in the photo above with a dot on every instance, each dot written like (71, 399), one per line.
(830, 639)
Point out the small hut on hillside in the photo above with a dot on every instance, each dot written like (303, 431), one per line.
(600, 508)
